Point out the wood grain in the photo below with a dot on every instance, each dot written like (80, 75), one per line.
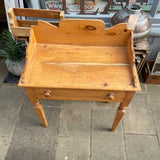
(29, 56)
(39, 13)
(121, 109)
(31, 95)
(75, 94)
(21, 28)
(12, 17)
(80, 60)
(79, 70)
(127, 99)
(40, 112)
(80, 54)
(20, 32)
(82, 32)
(131, 55)
(29, 23)
(118, 117)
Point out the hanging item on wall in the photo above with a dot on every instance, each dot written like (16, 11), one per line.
(82, 7)
(143, 26)
(88, 4)
(51, 5)
(56, 5)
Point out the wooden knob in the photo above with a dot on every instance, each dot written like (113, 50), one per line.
(47, 93)
(111, 96)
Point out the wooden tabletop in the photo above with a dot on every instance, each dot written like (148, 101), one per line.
(79, 67)
(96, 67)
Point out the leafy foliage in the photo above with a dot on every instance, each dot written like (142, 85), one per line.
(10, 48)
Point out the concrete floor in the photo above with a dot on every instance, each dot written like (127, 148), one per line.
(78, 130)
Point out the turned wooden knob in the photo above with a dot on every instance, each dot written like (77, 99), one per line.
(47, 93)
(111, 96)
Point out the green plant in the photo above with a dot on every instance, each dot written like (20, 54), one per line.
(10, 48)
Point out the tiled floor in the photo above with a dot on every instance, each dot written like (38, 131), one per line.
(78, 130)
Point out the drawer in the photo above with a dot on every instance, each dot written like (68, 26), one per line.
(76, 94)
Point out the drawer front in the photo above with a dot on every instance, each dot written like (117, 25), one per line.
(75, 94)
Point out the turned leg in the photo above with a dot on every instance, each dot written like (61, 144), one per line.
(121, 109)
(40, 112)
(119, 115)
(37, 106)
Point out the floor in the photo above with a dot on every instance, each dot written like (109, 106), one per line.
(78, 130)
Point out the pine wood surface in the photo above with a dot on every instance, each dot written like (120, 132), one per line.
(40, 13)
(79, 94)
(40, 112)
(80, 60)
(21, 28)
(80, 64)
(82, 67)
(81, 32)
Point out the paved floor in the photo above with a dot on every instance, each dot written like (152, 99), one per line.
(78, 130)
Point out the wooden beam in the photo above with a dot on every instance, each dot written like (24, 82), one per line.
(19, 31)
(29, 23)
(28, 12)
(12, 17)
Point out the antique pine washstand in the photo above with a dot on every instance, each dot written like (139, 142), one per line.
(81, 60)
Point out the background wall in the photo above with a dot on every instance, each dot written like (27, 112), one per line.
(154, 38)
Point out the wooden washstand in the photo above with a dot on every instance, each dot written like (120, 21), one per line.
(81, 60)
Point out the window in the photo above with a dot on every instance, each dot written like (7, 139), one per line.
(96, 7)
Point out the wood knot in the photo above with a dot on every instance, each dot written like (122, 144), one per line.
(89, 27)
(111, 33)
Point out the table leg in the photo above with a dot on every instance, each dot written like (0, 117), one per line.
(121, 109)
(37, 106)
(40, 112)
(119, 115)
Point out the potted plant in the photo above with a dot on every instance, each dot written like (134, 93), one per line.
(13, 52)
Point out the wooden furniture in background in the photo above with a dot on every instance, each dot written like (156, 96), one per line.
(80, 60)
(156, 66)
(151, 71)
(142, 50)
(21, 28)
